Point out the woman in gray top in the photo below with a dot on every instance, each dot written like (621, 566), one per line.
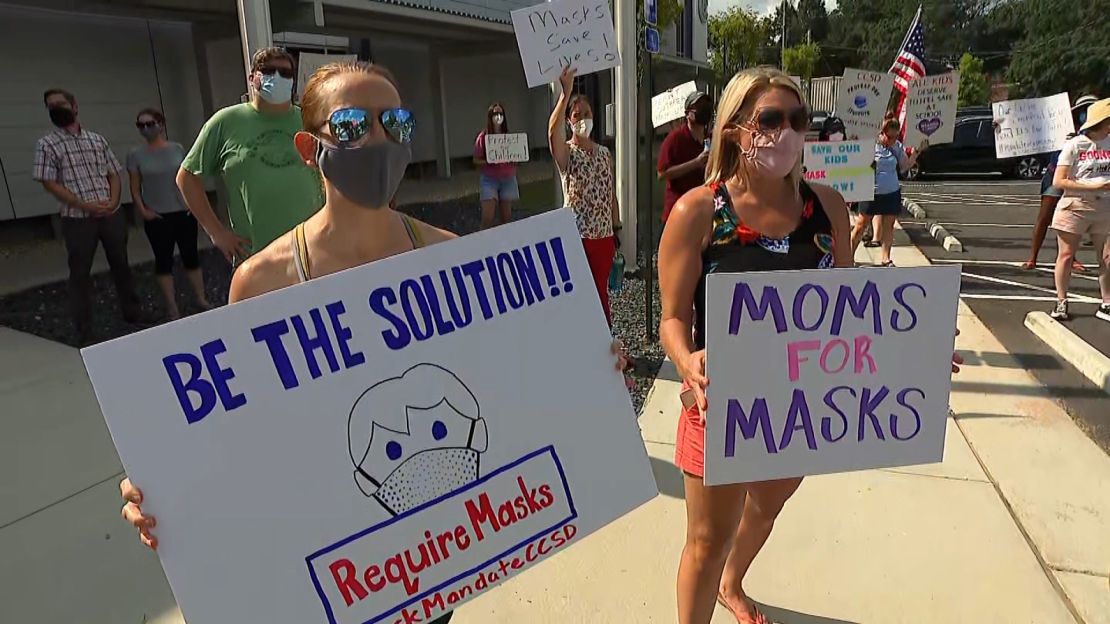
(153, 168)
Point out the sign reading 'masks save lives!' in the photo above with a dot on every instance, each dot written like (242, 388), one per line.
(382, 444)
(853, 370)
(554, 35)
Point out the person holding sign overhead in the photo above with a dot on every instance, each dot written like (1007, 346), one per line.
(586, 169)
(497, 186)
(358, 135)
(890, 158)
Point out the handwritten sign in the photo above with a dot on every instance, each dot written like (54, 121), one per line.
(382, 444)
(507, 148)
(862, 101)
(1033, 126)
(843, 165)
(553, 35)
(931, 109)
(309, 62)
(671, 104)
(853, 370)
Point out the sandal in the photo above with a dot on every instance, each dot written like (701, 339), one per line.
(888, 264)
(1028, 265)
(871, 244)
(1077, 267)
(744, 619)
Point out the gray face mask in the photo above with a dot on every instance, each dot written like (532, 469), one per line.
(367, 175)
(423, 477)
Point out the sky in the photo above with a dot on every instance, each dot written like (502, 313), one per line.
(761, 7)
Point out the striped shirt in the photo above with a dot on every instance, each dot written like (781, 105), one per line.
(81, 162)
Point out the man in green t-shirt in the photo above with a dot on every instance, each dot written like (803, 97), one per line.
(250, 146)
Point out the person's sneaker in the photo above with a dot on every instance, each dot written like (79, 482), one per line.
(1060, 312)
(1103, 312)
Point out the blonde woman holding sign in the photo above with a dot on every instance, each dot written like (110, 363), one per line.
(359, 136)
(755, 213)
(497, 186)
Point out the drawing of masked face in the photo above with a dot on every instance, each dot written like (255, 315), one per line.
(434, 450)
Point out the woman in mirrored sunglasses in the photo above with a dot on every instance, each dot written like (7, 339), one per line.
(497, 186)
(890, 159)
(586, 169)
(358, 135)
(152, 169)
(755, 213)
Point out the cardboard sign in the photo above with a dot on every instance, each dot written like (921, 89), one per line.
(843, 165)
(553, 35)
(671, 104)
(862, 102)
(931, 109)
(507, 148)
(309, 62)
(1033, 126)
(853, 370)
(382, 444)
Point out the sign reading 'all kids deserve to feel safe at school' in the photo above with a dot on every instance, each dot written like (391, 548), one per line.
(862, 100)
(554, 35)
(382, 444)
(1032, 126)
(931, 109)
(843, 165)
(853, 370)
(507, 148)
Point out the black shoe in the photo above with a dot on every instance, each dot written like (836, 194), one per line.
(1103, 312)
(873, 244)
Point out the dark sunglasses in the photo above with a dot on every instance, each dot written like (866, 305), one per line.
(770, 120)
(285, 72)
(146, 124)
(348, 125)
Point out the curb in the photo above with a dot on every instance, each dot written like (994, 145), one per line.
(1092, 364)
(914, 209)
(946, 240)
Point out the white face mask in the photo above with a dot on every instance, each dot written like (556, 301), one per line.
(498, 118)
(836, 136)
(583, 127)
(275, 89)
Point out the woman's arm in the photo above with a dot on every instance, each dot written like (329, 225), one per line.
(907, 161)
(680, 268)
(1063, 181)
(556, 124)
(480, 149)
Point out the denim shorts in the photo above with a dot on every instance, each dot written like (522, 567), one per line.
(887, 204)
(503, 189)
(1047, 190)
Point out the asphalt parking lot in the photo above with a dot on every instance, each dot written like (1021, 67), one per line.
(993, 218)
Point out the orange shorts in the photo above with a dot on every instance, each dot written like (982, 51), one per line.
(689, 446)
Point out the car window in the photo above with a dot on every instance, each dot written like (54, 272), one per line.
(985, 137)
(965, 134)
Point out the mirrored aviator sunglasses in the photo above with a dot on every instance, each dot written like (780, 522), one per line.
(348, 125)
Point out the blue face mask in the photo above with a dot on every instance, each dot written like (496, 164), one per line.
(275, 89)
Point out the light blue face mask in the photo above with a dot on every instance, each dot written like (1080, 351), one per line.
(275, 89)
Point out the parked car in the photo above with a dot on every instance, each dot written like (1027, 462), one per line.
(972, 151)
(816, 122)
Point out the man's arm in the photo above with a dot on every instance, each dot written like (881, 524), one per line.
(64, 195)
(196, 200)
(678, 171)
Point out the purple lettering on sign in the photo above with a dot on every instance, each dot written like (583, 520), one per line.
(742, 298)
(748, 424)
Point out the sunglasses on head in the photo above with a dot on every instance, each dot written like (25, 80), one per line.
(270, 70)
(348, 125)
(771, 120)
(146, 124)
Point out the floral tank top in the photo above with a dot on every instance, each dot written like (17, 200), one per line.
(588, 190)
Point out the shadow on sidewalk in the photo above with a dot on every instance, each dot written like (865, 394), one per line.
(778, 615)
(668, 478)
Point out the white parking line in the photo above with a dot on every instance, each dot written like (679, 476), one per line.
(998, 280)
(1071, 297)
(993, 225)
(1045, 268)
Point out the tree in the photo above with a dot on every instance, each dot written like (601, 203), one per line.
(813, 20)
(801, 60)
(974, 85)
(1060, 49)
(737, 39)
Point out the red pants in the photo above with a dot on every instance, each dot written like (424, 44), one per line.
(599, 253)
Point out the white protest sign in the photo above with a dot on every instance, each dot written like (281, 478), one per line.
(853, 370)
(507, 148)
(553, 35)
(843, 165)
(862, 101)
(384, 443)
(309, 62)
(1033, 126)
(671, 104)
(931, 109)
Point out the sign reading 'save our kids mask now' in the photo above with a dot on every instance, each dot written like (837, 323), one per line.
(827, 370)
(382, 444)
(554, 35)
(862, 101)
(843, 165)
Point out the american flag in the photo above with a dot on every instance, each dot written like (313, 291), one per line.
(909, 65)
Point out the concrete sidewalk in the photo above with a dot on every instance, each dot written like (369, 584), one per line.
(1012, 527)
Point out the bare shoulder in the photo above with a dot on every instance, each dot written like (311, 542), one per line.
(268, 270)
(433, 235)
(696, 205)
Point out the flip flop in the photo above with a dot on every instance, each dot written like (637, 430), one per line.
(888, 264)
(1077, 267)
(1028, 265)
(744, 619)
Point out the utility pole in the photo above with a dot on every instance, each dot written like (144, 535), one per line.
(782, 57)
(255, 30)
(624, 116)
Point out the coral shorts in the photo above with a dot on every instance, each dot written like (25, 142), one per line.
(689, 447)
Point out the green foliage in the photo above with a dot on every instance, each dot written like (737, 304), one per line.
(1060, 50)
(974, 84)
(801, 60)
(737, 39)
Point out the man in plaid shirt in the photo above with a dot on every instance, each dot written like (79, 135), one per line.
(79, 169)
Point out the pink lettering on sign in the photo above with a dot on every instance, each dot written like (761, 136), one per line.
(836, 350)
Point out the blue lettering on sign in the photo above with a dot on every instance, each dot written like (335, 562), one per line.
(195, 384)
